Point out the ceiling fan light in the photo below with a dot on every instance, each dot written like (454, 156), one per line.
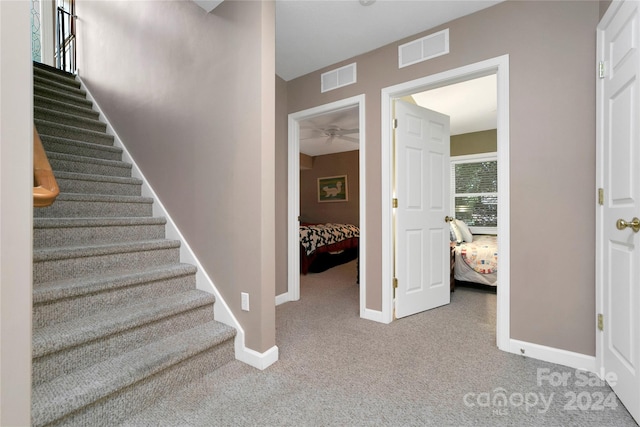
(367, 2)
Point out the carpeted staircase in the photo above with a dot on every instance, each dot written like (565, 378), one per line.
(117, 320)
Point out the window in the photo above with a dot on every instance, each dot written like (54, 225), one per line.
(474, 191)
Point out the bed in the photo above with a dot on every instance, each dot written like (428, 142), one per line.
(318, 239)
(477, 261)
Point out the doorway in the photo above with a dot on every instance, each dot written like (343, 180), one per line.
(293, 212)
(500, 67)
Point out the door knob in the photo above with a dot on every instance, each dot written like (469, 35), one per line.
(634, 224)
(448, 219)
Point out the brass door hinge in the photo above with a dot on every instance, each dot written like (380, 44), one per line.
(600, 322)
(601, 196)
(394, 124)
(394, 203)
(395, 283)
(601, 69)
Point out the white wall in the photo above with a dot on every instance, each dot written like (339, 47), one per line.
(16, 176)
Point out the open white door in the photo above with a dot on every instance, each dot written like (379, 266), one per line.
(422, 192)
(619, 177)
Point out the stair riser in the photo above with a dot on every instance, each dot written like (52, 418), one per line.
(89, 168)
(50, 93)
(55, 77)
(74, 133)
(79, 209)
(44, 271)
(78, 236)
(62, 87)
(56, 146)
(62, 310)
(51, 104)
(98, 187)
(69, 360)
(82, 123)
(119, 406)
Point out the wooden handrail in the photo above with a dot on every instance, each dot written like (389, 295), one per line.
(45, 187)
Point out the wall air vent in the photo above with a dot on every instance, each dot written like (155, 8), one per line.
(422, 49)
(339, 77)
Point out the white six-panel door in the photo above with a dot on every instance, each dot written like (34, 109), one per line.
(422, 190)
(619, 177)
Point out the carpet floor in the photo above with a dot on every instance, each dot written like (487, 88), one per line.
(438, 368)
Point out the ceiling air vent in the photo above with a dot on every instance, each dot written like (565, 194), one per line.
(422, 49)
(339, 77)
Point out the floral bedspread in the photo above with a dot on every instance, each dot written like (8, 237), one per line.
(314, 236)
(481, 254)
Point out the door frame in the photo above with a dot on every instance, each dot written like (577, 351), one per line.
(500, 67)
(293, 196)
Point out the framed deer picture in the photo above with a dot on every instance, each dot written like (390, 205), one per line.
(333, 189)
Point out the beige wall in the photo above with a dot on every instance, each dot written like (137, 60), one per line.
(16, 212)
(485, 141)
(348, 212)
(552, 154)
(192, 96)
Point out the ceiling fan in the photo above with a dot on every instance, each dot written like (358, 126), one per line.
(332, 133)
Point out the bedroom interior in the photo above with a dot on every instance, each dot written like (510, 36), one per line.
(472, 107)
(329, 190)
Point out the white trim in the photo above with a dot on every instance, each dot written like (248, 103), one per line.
(282, 298)
(293, 209)
(259, 360)
(554, 355)
(221, 311)
(500, 67)
(374, 315)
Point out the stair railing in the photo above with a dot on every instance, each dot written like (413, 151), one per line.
(45, 187)
(66, 38)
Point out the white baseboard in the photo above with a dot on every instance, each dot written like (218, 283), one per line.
(258, 360)
(282, 298)
(554, 355)
(221, 311)
(373, 315)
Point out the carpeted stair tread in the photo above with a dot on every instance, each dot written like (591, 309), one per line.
(53, 254)
(59, 86)
(39, 66)
(52, 93)
(54, 144)
(51, 339)
(62, 117)
(51, 291)
(95, 222)
(46, 127)
(98, 178)
(62, 232)
(111, 198)
(85, 159)
(53, 74)
(82, 205)
(64, 395)
(56, 105)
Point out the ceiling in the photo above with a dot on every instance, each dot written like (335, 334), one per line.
(313, 34)
(333, 132)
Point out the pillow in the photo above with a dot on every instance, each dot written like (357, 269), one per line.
(464, 231)
(455, 233)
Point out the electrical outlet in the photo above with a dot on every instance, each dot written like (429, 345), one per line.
(245, 301)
